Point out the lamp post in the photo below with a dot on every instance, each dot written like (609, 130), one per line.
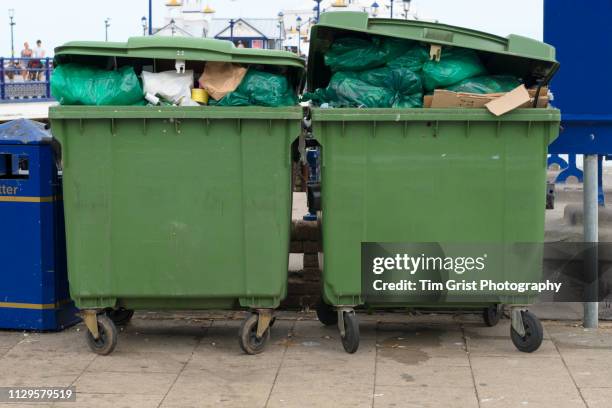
(281, 15)
(106, 25)
(143, 21)
(12, 23)
(318, 9)
(374, 8)
(173, 27)
(406, 8)
(299, 34)
(392, 8)
(231, 23)
(150, 17)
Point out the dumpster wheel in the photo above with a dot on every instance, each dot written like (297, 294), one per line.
(491, 315)
(326, 314)
(250, 343)
(349, 330)
(120, 316)
(107, 336)
(531, 340)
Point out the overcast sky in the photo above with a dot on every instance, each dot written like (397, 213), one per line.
(58, 21)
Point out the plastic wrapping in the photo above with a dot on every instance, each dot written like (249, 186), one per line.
(455, 65)
(486, 84)
(262, 89)
(170, 85)
(75, 84)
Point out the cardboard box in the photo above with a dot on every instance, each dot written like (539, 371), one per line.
(514, 99)
(518, 98)
(221, 78)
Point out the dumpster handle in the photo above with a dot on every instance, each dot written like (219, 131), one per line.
(374, 128)
(113, 130)
(405, 128)
(144, 127)
(467, 129)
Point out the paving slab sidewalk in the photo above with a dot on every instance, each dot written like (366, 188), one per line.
(193, 360)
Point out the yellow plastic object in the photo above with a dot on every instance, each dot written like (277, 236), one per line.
(199, 95)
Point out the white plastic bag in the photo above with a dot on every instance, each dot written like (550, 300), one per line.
(170, 85)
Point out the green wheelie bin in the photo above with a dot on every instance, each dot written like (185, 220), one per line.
(177, 207)
(431, 175)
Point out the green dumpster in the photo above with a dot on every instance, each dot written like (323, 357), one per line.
(172, 207)
(430, 175)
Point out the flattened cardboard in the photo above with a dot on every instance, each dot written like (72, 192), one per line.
(449, 99)
(510, 101)
(221, 78)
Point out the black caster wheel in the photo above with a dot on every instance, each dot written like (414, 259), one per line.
(350, 340)
(326, 314)
(247, 336)
(491, 315)
(107, 340)
(120, 316)
(534, 333)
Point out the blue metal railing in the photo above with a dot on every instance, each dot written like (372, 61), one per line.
(25, 79)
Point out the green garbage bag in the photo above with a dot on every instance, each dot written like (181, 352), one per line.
(406, 85)
(455, 65)
(262, 89)
(383, 87)
(399, 79)
(413, 58)
(408, 101)
(486, 84)
(358, 54)
(345, 89)
(75, 84)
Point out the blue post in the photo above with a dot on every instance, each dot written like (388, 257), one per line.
(1, 79)
(150, 17)
(601, 198)
(48, 77)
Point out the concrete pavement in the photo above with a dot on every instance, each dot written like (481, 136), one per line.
(193, 360)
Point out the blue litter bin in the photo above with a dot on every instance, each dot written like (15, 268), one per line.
(33, 281)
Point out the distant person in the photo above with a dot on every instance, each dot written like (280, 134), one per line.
(39, 54)
(11, 68)
(240, 44)
(26, 53)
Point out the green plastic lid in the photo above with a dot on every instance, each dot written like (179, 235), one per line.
(149, 50)
(524, 57)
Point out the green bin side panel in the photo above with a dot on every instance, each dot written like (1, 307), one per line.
(164, 212)
(426, 175)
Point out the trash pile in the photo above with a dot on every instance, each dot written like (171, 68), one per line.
(385, 72)
(220, 84)
(75, 84)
